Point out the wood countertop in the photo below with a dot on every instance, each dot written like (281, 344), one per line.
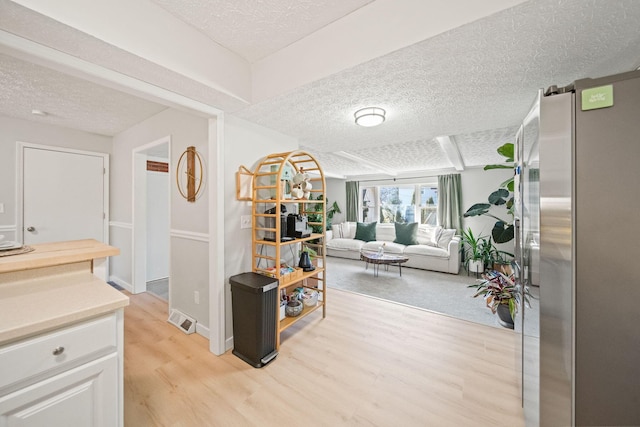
(50, 254)
(53, 287)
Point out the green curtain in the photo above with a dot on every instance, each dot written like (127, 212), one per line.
(450, 201)
(352, 188)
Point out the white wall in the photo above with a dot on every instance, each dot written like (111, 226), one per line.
(14, 130)
(245, 144)
(337, 192)
(189, 221)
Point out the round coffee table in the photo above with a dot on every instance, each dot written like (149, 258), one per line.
(384, 259)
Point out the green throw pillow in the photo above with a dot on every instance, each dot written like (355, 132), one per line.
(406, 233)
(366, 232)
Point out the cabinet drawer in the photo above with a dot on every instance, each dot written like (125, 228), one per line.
(54, 351)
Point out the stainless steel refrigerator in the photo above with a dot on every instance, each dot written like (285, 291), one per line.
(578, 216)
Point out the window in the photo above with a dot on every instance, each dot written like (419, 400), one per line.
(400, 203)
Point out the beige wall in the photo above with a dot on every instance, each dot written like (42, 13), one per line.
(189, 269)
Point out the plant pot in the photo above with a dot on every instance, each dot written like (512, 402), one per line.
(504, 316)
(475, 266)
(503, 268)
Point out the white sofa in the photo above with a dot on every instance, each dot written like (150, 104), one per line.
(438, 248)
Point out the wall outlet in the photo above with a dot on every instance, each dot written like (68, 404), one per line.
(245, 221)
(196, 297)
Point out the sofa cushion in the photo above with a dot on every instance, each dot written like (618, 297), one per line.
(385, 232)
(366, 232)
(345, 244)
(428, 234)
(389, 247)
(340, 231)
(426, 250)
(445, 237)
(406, 234)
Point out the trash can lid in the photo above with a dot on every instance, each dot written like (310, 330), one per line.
(253, 282)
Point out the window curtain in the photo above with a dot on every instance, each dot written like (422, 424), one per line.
(450, 201)
(352, 200)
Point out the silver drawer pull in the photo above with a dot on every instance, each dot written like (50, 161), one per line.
(58, 351)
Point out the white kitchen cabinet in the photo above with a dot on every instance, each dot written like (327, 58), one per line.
(61, 338)
(86, 396)
(67, 377)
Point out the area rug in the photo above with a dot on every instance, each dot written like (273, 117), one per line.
(443, 293)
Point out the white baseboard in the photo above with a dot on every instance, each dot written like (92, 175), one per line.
(118, 281)
(228, 344)
(202, 330)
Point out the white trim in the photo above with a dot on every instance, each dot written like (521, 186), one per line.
(122, 283)
(228, 344)
(450, 148)
(42, 55)
(217, 297)
(202, 330)
(8, 228)
(119, 224)
(21, 146)
(190, 235)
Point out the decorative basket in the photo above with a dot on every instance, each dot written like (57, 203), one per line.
(310, 298)
(291, 310)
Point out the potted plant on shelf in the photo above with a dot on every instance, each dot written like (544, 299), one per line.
(501, 295)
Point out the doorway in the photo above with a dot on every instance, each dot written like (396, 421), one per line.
(151, 218)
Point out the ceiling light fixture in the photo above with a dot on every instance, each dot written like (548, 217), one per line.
(39, 113)
(370, 116)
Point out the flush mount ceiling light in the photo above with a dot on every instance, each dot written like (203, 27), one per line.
(370, 116)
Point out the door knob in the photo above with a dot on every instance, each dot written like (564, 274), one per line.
(31, 229)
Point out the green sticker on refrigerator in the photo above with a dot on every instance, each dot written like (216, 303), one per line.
(597, 97)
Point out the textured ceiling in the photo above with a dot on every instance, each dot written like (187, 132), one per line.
(473, 83)
(69, 102)
(463, 83)
(258, 29)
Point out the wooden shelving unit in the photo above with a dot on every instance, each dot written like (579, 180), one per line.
(269, 195)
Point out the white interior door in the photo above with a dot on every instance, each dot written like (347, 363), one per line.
(63, 196)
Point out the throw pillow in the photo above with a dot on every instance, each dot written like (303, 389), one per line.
(366, 232)
(406, 234)
(445, 237)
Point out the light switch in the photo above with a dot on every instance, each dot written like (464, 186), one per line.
(245, 221)
(1, 207)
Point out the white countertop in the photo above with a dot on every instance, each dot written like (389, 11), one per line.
(59, 291)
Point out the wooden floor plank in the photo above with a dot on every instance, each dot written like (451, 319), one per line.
(369, 362)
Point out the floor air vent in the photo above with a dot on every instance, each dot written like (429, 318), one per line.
(183, 322)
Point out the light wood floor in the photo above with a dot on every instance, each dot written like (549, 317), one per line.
(369, 362)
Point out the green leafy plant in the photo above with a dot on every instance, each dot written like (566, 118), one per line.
(312, 252)
(503, 230)
(334, 209)
(481, 248)
(473, 248)
(497, 288)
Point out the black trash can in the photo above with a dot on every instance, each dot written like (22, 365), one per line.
(254, 301)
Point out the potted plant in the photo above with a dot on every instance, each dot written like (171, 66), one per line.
(501, 295)
(472, 251)
(503, 230)
(331, 211)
